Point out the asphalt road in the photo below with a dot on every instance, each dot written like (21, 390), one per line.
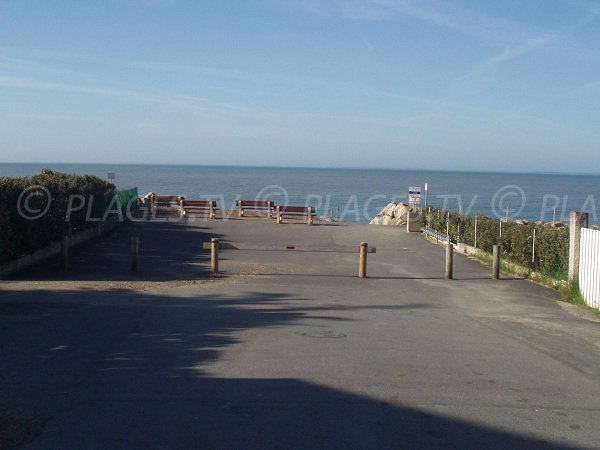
(288, 348)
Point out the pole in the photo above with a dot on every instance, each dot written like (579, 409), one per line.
(533, 249)
(448, 225)
(135, 254)
(579, 220)
(500, 228)
(426, 190)
(449, 257)
(496, 262)
(362, 265)
(214, 255)
(475, 230)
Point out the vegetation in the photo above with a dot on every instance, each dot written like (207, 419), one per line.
(516, 240)
(23, 199)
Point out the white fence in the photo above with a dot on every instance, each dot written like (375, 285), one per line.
(589, 267)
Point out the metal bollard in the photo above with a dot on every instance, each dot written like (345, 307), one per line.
(135, 254)
(496, 263)
(449, 260)
(362, 265)
(214, 255)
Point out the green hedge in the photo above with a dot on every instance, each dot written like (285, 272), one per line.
(20, 235)
(516, 242)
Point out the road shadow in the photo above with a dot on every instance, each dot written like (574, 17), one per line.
(128, 369)
(168, 250)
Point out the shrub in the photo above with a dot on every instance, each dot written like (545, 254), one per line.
(516, 242)
(20, 235)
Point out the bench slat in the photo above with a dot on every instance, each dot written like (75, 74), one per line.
(296, 210)
(167, 198)
(254, 204)
(199, 203)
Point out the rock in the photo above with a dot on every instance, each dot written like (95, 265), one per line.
(557, 225)
(387, 220)
(392, 214)
(521, 222)
(325, 219)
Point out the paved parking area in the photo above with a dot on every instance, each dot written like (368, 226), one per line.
(288, 348)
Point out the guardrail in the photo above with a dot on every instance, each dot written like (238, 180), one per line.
(430, 232)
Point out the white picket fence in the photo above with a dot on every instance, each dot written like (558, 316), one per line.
(589, 267)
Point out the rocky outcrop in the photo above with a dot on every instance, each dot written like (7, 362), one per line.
(392, 214)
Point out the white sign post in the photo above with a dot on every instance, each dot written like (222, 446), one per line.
(111, 177)
(414, 195)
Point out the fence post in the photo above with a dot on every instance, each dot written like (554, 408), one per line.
(64, 253)
(475, 231)
(214, 255)
(362, 265)
(449, 258)
(310, 217)
(135, 254)
(496, 262)
(211, 210)
(240, 210)
(278, 211)
(533, 249)
(579, 220)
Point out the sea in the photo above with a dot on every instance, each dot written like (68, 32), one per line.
(355, 195)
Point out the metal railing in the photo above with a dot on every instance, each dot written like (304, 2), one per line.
(430, 232)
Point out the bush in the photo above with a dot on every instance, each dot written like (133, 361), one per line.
(20, 235)
(551, 244)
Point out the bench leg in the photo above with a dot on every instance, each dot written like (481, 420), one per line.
(310, 217)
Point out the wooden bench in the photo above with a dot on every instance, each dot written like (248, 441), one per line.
(165, 201)
(198, 206)
(256, 205)
(305, 212)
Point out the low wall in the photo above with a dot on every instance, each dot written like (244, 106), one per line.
(54, 249)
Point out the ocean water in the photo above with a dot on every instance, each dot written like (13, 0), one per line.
(355, 195)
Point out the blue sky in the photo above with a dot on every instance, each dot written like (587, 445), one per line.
(473, 85)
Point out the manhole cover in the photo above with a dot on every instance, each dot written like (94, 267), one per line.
(323, 334)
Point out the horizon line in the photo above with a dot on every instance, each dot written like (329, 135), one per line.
(349, 168)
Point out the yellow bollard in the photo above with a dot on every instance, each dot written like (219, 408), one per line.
(214, 255)
(362, 265)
